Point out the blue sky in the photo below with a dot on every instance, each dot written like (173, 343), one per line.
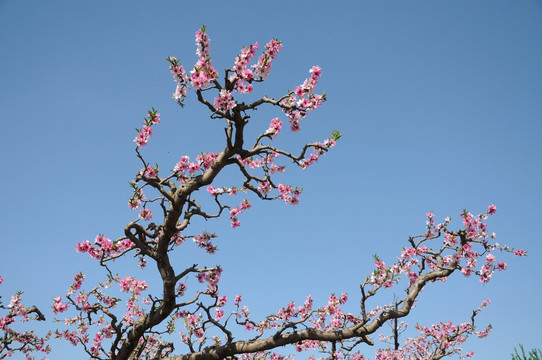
(439, 104)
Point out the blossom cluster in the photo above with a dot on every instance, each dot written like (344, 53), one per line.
(462, 255)
(243, 73)
(263, 67)
(303, 99)
(203, 162)
(137, 197)
(181, 79)
(443, 338)
(135, 287)
(203, 72)
(288, 194)
(145, 214)
(144, 134)
(204, 241)
(211, 277)
(274, 127)
(104, 247)
(224, 190)
(11, 340)
(266, 162)
(130, 283)
(88, 303)
(201, 75)
(245, 204)
(149, 171)
(225, 101)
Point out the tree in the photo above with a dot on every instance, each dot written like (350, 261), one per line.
(208, 329)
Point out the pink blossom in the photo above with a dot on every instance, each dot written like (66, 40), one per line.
(450, 239)
(145, 214)
(150, 171)
(134, 203)
(182, 165)
(179, 75)
(58, 307)
(466, 271)
(316, 71)
(205, 160)
(222, 301)
(263, 67)
(520, 252)
(225, 101)
(193, 167)
(264, 187)
(242, 73)
(492, 209)
(78, 281)
(153, 117)
(219, 313)
(83, 247)
(412, 277)
(408, 253)
(180, 92)
(274, 127)
(129, 283)
(142, 138)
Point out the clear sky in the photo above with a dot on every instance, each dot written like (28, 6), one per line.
(439, 103)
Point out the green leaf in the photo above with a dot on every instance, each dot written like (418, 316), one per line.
(336, 135)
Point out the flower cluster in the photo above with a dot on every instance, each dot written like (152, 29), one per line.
(263, 67)
(474, 225)
(203, 161)
(103, 247)
(203, 72)
(137, 197)
(288, 194)
(236, 211)
(266, 162)
(462, 255)
(274, 127)
(442, 338)
(58, 306)
(149, 171)
(204, 241)
(243, 74)
(181, 79)
(224, 190)
(145, 214)
(211, 277)
(303, 99)
(129, 283)
(11, 340)
(225, 101)
(319, 150)
(144, 134)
